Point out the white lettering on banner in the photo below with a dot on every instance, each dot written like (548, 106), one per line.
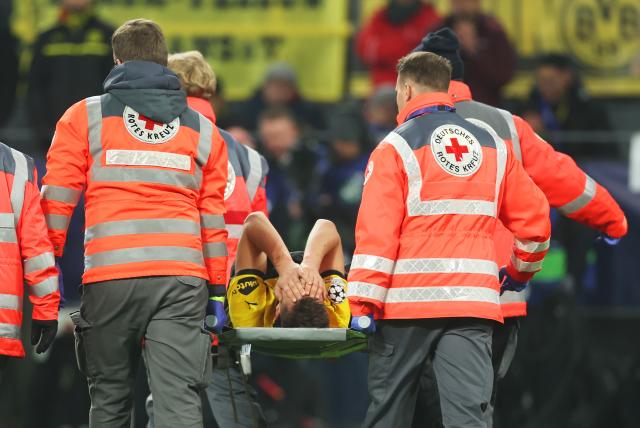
(456, 150)
(148, 158)
(148, 130)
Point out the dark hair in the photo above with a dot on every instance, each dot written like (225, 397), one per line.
(555, 60)
(140, 39)
(306, 312)
(273, 113)
(427, 69)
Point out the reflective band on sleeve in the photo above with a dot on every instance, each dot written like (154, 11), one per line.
(57, 221)
(366, 290)
(234, 231)
(142, 227)
(20, 177)
(515, 138)
(60, 194)
(513, 297)
(418, 266)
(523, 266)
(128, 175)
(43, 261)
(148, 158)
(204, 144)
(209, 221)
(532, 246)
(9, 331)
(45, 287)
(214, 249)
(581, 201)
(8, 235)
(255, 173)
(10, 301)
(375, 263)
(143, 254)
(417, 207)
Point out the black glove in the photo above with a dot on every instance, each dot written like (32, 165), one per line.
(43, 331)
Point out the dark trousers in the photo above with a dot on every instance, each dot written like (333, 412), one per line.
(158, 318)
(458, 353)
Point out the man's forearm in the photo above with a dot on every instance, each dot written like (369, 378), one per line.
(322, 240)
(265, 238)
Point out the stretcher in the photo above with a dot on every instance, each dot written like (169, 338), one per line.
(293, 343)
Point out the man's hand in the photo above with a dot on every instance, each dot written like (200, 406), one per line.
(313, 282)
(509, 284)
(365, 324)
(290, 284)
(42, 334)
(216, 316)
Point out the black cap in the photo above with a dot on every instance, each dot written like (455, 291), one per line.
(445, 43)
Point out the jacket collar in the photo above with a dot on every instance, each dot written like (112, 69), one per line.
(422, 101)
(459, 91)
(203, 107)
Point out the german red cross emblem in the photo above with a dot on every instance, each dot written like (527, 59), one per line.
(456, 150)
(148, 130)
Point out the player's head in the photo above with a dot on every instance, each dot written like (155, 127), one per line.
(444, 42)
(139, 40)
(306, 312)
(196, 75)
(419, 73)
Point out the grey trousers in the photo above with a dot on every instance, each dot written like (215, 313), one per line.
(231, 399)
(457, 350)
(158, 318)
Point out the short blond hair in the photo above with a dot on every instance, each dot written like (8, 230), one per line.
(196, 75)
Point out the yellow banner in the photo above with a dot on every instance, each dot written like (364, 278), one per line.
(240, 38)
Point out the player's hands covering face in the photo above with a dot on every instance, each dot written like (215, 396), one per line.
(313, 282)
(289, 284)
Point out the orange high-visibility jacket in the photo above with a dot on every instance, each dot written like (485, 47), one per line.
(154, 173)
(26, 254)
(565, 185)
(245, 192)
(435, 190)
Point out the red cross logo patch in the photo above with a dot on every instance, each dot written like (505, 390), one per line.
(147, 130)
(456, 150)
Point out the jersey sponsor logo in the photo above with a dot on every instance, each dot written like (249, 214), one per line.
(231, 181)
(368, 172)
(148, 130)
(246, 286)
(456, 150)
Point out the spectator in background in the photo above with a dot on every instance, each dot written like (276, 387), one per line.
(279, 89)
(391, 32)
(292, 165)
(380, 113)
(559, 102)
(70, 62)
(340, 185)
(9, 69)
(489, 58)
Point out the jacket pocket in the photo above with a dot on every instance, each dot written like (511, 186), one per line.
(193, 281)
(80, 331)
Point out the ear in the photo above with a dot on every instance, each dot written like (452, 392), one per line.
(116, 61)
(408, 92)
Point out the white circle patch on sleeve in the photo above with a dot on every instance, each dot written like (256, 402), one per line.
(148, 130)
(456, 150)
(231, 181)
(368, 172)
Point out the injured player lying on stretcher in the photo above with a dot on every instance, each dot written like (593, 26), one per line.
(275, 288)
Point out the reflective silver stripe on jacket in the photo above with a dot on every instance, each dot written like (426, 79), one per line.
(513, 297)
(205, 141)
(255, 173)
(20, 178)
(57, 221)
(234, 231)
(445, 265)
(209, 221)
(10, 301)
(7, 229)
(423, 294)
(532, 246)
(581, 201)
(34, 264)
(375, 263)
(143, 254)
(60, 194)
(418, 207)
(148, 158)
(9, 331)
(141, 227)
(214, 249)
(523, 266)
(515, 138)
(45, 287)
